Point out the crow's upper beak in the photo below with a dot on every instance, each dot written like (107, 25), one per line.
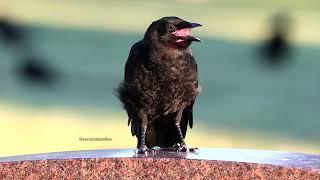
(193, 25)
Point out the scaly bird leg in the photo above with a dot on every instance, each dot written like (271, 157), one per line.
(142, 149)
(182, 146)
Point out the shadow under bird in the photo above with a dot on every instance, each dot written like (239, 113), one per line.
(161, 85)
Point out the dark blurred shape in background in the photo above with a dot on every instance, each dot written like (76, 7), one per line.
(34, 71)
(30, 68)
(10, 32)
(277, 50)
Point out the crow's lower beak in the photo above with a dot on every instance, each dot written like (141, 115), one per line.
(192, 38)
(195, 39)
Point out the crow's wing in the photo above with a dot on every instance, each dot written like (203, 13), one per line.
(187, 118)
(137, 57)
(187, 115)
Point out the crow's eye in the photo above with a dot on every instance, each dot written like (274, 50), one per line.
(171, 28)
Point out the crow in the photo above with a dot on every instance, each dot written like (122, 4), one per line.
(161, 85)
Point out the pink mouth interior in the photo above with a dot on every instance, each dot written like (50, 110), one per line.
(182, 33)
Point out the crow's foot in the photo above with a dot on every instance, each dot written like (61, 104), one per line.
(181, 147)
(144, 150)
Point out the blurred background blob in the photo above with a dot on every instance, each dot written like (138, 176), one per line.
(60, 61)
(276, 50)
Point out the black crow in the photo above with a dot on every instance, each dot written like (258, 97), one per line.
(161, 84)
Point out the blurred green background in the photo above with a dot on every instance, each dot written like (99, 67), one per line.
(244, 104)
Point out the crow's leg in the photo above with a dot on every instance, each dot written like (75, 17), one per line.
(142, 149)
(181, 146)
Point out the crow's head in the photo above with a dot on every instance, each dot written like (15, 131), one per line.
(171, 32)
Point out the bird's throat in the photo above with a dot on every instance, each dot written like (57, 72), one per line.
(182, 34)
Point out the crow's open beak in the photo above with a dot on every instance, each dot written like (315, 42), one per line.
(194, 25)
(184, 33)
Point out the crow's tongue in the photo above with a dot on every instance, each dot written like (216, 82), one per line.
(182, 32)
